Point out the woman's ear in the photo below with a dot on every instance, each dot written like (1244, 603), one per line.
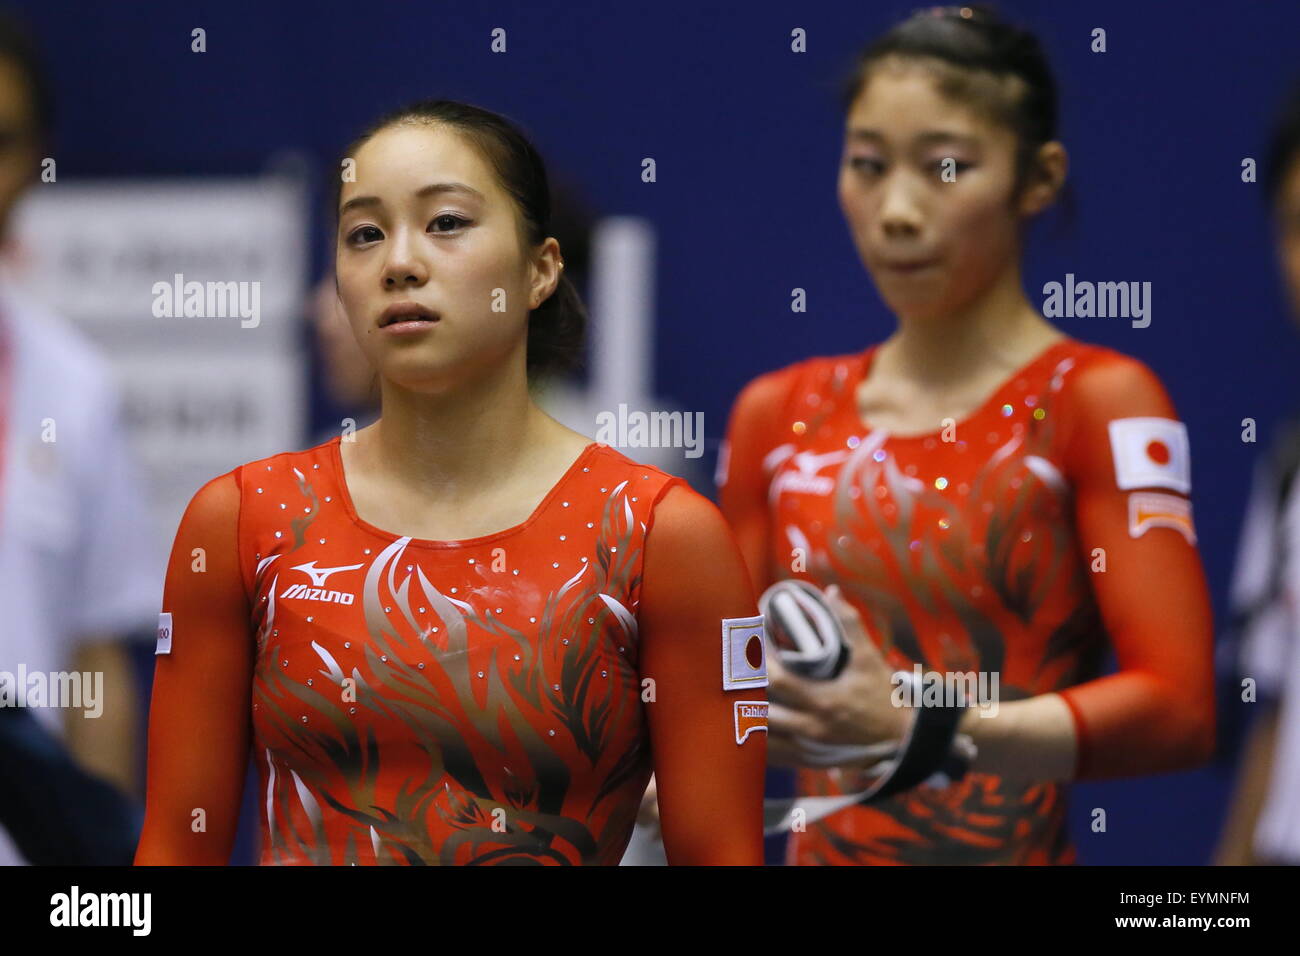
(1046, 178)
(548, 268)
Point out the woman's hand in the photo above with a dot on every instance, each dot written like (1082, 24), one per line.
(856, 709)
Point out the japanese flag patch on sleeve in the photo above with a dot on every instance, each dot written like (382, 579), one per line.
(1151, 453)
(164, 634)
(744, 653)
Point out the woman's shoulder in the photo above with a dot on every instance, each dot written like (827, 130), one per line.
(772, 392)
(659, 493)
(258, 475)
(1104, 377)
(624, 471)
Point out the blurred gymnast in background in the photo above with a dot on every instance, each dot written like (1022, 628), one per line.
(979, 493)
(1263, 824)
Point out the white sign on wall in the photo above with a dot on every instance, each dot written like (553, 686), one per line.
(194, 290)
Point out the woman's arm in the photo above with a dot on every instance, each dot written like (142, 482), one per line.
(1133, 516)
(1022, 741)
(1156, 714)
(742, 478)
(199, 724)
(709, 744)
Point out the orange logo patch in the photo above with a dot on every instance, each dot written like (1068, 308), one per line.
(1151, 509)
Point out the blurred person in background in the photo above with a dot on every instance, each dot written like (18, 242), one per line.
(978, 494)
(76, 575)
(1263, 824)
(347, 379)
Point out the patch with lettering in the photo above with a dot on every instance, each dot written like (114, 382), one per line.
(751, 717)
(1152, 509)
(164, 634)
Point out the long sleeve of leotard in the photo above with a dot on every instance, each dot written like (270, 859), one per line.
(1157, 712)
(199, 728)
(742, 479)
(710, 785)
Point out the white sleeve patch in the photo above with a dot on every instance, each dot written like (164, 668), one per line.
(1154, 509)
(744, 653)
(164, 634)
(751, 717)
(1151, 453)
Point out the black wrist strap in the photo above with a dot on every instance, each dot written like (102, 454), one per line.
(925, 750)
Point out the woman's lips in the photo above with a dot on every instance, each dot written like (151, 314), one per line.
(914, 266)
(408, 326)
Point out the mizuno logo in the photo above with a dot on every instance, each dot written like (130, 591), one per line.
(809, 464)
(807, 479)
(318, 575)
(317, 594)
(318, 578)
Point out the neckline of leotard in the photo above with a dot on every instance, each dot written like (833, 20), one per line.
(345, 496)
(867, 357)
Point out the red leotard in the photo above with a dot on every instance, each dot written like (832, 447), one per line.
(426, 702)
(975, 550)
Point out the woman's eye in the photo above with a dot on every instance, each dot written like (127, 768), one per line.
(865, 164)
(363, 234)
(449, 221)
(950, 166)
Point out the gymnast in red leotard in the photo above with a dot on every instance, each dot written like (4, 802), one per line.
(465, 633)
(988, 495)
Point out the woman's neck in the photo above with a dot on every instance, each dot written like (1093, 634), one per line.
(457, 441)
(999, 327)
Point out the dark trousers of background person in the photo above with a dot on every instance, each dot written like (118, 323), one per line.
(56, 813)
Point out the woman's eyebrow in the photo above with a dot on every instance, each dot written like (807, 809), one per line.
(928, 138)
(429, 190)
(943, 138)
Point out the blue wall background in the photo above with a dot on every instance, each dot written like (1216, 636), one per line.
(746, 135)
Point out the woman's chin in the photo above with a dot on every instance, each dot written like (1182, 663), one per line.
(918, 308)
